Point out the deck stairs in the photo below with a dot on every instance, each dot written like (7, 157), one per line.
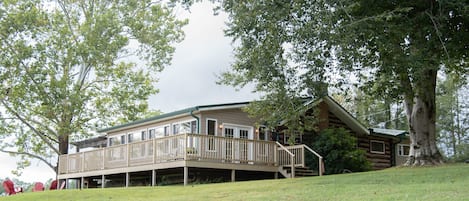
(285, 171)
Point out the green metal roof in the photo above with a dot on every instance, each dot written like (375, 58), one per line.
(389, 132)
(171, 114)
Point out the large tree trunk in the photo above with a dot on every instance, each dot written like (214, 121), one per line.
(421, 115)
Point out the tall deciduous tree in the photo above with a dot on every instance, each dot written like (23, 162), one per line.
(70, 66)
(452, 113)
(394, 48)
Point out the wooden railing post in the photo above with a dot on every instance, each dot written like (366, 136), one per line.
(321, 166)
(128, 154)
(184, 149)
(320, 162)
(292, 166)
(104, 158)
(154, 150)
(83, 162)
(303, 158)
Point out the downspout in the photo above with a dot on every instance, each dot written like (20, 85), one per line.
(197, 118)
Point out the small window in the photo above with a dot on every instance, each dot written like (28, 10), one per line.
(211, 127)
(166, 131)
(263, 135)
(194, 129)
(403, 149)
(377, 147)
(151, 133)
(176, 128)
(130, 138)
(122, 139)
(144, 135)
(113, 141)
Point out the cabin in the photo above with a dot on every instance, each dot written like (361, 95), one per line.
(213, 143)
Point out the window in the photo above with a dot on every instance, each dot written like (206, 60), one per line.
(151, 133)
(122, 139)
(113, 141)
(403, 149)
(166, 131)
(377, 147)
(144, 135)
(297, 140)
(211, 131)
(176, 129)
(130, 138)
(117, 140)
(263, 135)
(211, 127)
(185, 127)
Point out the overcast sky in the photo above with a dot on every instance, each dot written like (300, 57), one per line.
(188, 82)
(203, 55)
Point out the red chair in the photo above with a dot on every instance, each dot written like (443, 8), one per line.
(9, 187)
(38, 186)
(53, 185)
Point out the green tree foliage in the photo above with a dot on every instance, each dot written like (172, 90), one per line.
(68, 67)
(453, 114)
(338, 148)
(392, 48)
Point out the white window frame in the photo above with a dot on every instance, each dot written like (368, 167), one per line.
(216, 125)
(215, 146)
(266, 130)
(158, 127)
(146, 136)
(377, 152)
(127, 139)
(401, 147)
(181, 122)
(118, 139)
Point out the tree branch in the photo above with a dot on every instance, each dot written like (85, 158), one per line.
(31, 156)
(40, 134)
(438, 33)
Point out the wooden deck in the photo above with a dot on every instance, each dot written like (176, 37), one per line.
(184, 150)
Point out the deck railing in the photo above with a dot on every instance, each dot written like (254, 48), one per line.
(179, 147)
(298, 152)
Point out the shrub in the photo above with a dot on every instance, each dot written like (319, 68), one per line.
(339, 151)
(462, 154)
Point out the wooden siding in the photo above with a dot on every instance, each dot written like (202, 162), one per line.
(228, 116)
(378, 161)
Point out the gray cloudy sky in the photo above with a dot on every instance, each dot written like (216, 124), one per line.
(189, 81)
(204, 53)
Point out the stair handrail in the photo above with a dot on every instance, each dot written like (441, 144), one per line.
(292, 158)
(321, 163)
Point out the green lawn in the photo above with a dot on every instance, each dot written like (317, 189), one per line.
(449, 182)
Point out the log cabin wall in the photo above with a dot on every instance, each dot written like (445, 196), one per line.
(378, 160)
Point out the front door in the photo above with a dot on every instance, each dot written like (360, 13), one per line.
(239, 149)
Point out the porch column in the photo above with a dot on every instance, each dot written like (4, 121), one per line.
(127, 178)
(275, 175)
(153, 177)
(82, 183)
(66, 184)
(186, 175)
(103, 181)
(233, 175)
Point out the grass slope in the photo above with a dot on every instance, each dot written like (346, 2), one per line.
(449, 182)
